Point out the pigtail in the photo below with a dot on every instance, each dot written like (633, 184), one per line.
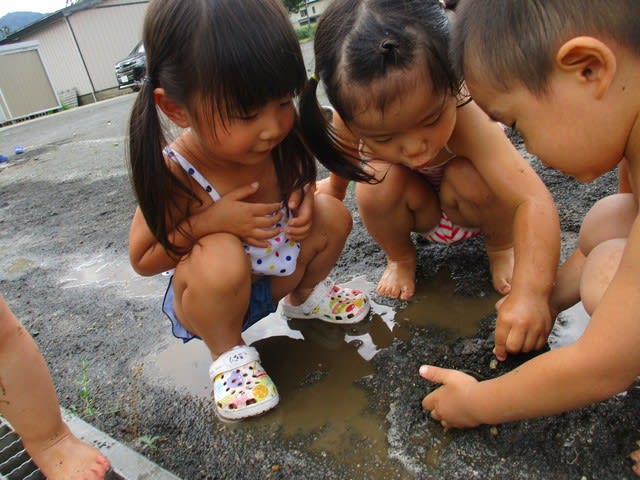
(323, 141)
(152, 182)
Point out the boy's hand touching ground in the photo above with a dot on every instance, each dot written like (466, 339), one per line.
(450, 404)
(522, 325)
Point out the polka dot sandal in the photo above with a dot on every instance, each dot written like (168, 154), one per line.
(331, 303)
(241, 387)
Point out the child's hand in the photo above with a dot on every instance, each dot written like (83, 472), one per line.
(450, 404)
(523, 325)
(329, 187)
(254, 223)
(301, 214)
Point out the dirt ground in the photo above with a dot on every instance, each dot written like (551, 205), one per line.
(66, 202)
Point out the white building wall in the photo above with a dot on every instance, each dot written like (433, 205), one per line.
(63, 62)
(79, 51)
(311, 9)
(106, 34)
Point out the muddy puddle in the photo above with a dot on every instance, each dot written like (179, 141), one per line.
(316, 366)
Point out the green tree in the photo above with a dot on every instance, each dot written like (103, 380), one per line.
(292, 5)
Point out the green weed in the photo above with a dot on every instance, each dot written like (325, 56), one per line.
(148, 442)
(87, 400)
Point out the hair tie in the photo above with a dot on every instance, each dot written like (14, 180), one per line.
(315, 78)
(387, 46)
(147, 80)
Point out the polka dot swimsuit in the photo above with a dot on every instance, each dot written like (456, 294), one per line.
(279, 258)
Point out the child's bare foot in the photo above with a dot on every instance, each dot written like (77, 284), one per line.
(398, 279)
(635, 456)
(68, 458)
(501, 264)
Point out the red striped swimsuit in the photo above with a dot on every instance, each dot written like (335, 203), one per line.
(446, 232)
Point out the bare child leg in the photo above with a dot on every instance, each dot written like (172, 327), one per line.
(212, 293)
(28, 401)
(467, 200)
(403, 203)
(603, 237)
(212, 287)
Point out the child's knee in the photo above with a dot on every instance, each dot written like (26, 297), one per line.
(391, 190)
(463, 182)
(332, 215)
(610, 217)
(218, 260)
(598, 271)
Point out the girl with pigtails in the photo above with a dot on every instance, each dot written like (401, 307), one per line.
(228, 203)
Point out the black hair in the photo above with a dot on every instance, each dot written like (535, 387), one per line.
(362, 43)
(216, 58)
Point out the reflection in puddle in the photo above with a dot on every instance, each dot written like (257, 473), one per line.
(19, 265)
(103, 272)
(437, 305)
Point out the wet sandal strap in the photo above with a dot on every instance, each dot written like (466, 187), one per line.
(234, 358)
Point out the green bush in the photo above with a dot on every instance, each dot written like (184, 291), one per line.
(306, 32)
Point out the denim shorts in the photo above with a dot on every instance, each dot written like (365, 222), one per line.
(260, 305)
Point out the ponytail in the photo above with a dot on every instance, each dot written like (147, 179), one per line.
(154, 185)
(322, 140)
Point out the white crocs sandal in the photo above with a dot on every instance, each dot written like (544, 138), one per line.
(241, 387)
(331, 303)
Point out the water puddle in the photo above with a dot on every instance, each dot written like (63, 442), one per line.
(437, 305)
(103, 271)
(316, 365)
(19, 265)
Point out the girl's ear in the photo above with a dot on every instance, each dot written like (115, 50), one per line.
(591, 60)
(176, 112)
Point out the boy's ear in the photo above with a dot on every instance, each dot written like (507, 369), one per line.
(590, 59)
(176, 112)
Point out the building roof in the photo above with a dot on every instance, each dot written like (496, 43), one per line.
(34, 27)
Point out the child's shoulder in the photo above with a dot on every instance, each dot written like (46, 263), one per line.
(475, 130)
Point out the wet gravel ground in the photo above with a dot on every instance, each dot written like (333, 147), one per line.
(67, 201)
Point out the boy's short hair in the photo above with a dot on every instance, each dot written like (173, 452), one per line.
(515, 41)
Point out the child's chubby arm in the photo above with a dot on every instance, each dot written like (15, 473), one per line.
(603, 362)
(335, 185)
(253, 222)
(524, 317)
